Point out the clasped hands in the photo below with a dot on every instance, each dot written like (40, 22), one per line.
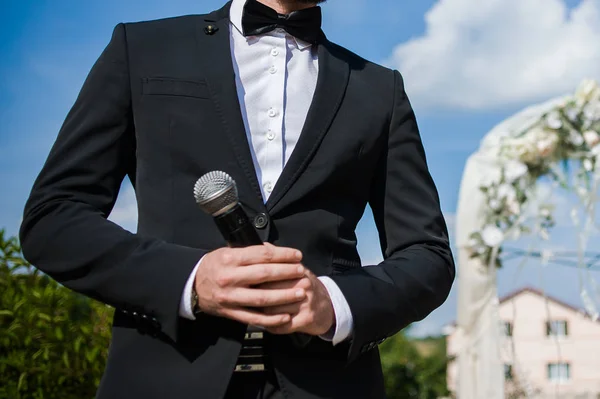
(265, 286)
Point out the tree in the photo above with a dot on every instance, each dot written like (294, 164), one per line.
(414, 368)
(53, 342)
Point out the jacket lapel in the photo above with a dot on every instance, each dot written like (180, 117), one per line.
(213, 39)
(331, 86)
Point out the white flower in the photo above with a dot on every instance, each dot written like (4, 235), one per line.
(492, 236)
(545, 212)
(514, 170)
(492, 177)
(554, 121)
(573, 114)
(513, 206)
(587, 165)
(506, 191)
(592, 111)
(591, 138)
(546, 146)
(576, 138)
(544, 234)
(535, 144)
(495, 205)
(587, 91)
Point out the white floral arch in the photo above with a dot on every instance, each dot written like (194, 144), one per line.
(497, 201)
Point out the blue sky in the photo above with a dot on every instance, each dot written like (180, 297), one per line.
(468, 65)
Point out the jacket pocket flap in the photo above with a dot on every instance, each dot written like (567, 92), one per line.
(175, 87)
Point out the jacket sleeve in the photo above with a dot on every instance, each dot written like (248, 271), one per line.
(65, 231)
(418, 268)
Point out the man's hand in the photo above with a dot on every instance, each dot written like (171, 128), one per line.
(226, 283)
(314, 315)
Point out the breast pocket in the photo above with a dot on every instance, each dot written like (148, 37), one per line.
(163, 86)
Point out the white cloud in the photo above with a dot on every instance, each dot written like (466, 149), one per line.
(492, 53)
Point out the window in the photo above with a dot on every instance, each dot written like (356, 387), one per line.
(507, 329)
(559, 372)
(508, 372)
(557, 328)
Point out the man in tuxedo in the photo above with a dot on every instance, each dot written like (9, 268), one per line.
(311, 133)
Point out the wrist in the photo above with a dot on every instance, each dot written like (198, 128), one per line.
(194, 302)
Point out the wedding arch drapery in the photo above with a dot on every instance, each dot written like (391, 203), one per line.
(480, 368)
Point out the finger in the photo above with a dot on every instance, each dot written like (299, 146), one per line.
(298, 323)
(263, 273)
(291, 309)
(284, 328)
(303, 283)
(255, 318)
(256, 298)
(262, 254)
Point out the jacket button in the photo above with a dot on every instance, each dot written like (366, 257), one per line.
(261, 221)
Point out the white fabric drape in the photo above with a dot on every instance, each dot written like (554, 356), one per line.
(480, 367)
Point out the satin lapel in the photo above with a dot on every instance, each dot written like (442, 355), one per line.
(331, 86)
(217, 66)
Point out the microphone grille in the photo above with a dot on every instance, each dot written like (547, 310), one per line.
(216, 193)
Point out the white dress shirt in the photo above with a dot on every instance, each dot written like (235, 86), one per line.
(276, 76)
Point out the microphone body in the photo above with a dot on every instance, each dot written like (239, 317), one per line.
(216, 194)
(236, 228)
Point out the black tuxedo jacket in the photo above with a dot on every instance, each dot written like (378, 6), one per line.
(160, 106)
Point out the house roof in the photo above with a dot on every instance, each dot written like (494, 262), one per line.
(535, 291)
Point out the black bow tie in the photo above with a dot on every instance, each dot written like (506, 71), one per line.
(304, 24)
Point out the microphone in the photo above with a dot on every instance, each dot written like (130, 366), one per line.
(216, 194)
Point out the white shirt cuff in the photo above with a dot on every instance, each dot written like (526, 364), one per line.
(344, 324)
(185, 305)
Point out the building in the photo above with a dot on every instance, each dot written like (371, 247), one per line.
(550, 349)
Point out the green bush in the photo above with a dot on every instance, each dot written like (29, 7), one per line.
(414, 369)
(53, 342)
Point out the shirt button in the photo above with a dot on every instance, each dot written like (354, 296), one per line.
(272, 70)
(270, 135)
(274, 52)
(268, 186)
(272, 112)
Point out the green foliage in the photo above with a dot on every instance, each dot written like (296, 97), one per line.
(414, 368)
(53, 342)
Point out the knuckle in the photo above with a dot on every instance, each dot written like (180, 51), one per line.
(219, 297)
(227, 257)
(223, 280)
(264, 273)
(267, 253)
(309, 318)
(261, 301)
(306, 283)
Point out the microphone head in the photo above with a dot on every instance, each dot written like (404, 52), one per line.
(216, 193)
